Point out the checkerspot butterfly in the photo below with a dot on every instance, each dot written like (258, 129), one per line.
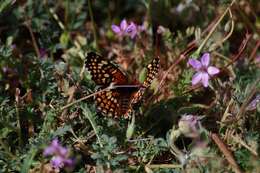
(120, 100)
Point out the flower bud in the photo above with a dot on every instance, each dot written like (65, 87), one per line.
(189, 126)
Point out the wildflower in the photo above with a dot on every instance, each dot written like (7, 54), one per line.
(189, 126)
(124, 29)
(60, 157)
(253, 104)
(120, 30)
(204, 71)
(131, 30)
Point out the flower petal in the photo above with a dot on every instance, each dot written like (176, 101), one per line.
(116, 29)
(52, 148)
(123, 25)
(142, 27)
(48, 151)
(131, 30)
(213, 70)
(253, 104)
(68, 162)
(205, 79)
(63, 151)
(55, 143)
(196, 78)
(57, 162)
(205, 59)
(195, 64)
(133, 34)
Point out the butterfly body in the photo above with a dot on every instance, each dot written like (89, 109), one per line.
(119, 100)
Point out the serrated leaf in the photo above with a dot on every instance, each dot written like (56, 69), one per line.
(62, 130)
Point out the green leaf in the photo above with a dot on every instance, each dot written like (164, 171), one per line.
(142, 75)
(5, 4)
(62, 130)
(64, 39)
(28, 161)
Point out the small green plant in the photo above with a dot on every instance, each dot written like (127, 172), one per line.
(197, 111)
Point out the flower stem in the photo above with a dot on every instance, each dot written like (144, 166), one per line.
(87, 113)
(213, 29)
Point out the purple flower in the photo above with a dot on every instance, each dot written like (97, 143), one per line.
(204, 71)
(55, 149)
(131, 30)
(59, 162)
(120, 30)
(253, 104)
(124, 29)
(60, 155)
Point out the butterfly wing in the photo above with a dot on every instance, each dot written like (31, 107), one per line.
(118, 101)
(104, 72)
(152, 71)
(115, 102)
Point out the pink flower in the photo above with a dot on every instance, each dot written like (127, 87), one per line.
(124, 29)
(60, 155)
(55, 149)
(59, 162)
(131, 30)
(204, 71)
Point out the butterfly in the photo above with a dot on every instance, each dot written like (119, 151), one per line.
(119, 100)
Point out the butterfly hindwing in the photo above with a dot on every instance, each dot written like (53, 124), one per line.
(115, 102)
(118, 101)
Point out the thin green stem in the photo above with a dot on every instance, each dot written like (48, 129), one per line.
(213, 29)
(6, 150)
(19, 130)
(93, 124)
(253, 90)
(93, 24)
(164, 166)
(157, 166)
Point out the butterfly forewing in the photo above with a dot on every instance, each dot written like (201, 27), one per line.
(104, 72)
(152, 71)
(120, 100)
